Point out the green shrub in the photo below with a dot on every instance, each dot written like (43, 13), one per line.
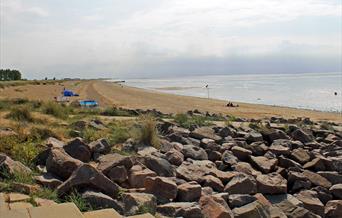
(56, 110)
(20, 114)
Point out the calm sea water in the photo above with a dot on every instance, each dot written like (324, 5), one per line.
(311, 91)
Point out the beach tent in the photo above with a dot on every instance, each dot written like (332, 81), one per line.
(88, 103)
(69, 93)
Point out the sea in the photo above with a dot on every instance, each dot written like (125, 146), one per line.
(315, 91)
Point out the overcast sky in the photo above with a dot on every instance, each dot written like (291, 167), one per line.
(144, 38)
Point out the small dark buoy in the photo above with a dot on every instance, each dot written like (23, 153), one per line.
(335, 93)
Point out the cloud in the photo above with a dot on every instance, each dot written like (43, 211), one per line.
(179, 35)
(14, 7)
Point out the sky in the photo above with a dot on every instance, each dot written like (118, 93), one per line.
(165, 38)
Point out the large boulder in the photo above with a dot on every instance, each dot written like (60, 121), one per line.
(194, 170)
(180, 209)
(135, 202)
(272, 183)
(264, 164)
(48, 180)
(11, 167)
(254, 209)
(88, 176)
(302, 136)
(241, 184)
(300, 155)
(246, 168)
(138, 174)
(279, 148)
(194, 152)
(159, 165)
(174, 157)
(316, 179)
(271, 135)
(205, 132)
(190, 191)
(213, 182)
(286, 162)
(332, 176)
(254, 137)
(257, 148)
(109, 161)
(162, 187)
(215, 207)
(311, 202)
(77, 149)
(98, 200)
(61, 164)
(100, 146)
(239, 200)
(336, 190)
(229, 159)
(291, 206)
(241, 153)
(333, 209)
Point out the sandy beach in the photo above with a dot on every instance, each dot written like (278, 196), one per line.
(112, 94)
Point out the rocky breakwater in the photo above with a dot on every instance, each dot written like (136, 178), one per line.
(268, 168)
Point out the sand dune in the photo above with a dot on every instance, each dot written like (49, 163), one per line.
(111, 94)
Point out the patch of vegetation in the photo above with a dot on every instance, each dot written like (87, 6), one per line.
(119, 133)
(146, 131)
(42, 133)
(91, 134)
(46, 193)
(145, 209)
(56, 110)
(20, 114)
(188, 121)
(17, 176)
(19, 148)
(77, 199)
(116, 112)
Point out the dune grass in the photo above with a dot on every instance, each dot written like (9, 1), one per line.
(56, 110)
(188, 121)
(146, 132)
(20, 114)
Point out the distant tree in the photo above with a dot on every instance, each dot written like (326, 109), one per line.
(54, 78)
(7, 74)
(46, 78)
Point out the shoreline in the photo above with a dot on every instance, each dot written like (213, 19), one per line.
(110, 94)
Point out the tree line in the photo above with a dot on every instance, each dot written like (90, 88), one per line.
(7, 74)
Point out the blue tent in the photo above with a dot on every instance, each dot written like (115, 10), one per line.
(69, 93)
(88, 103)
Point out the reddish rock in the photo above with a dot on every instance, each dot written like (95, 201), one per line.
(190, 191)
(272, 183)
(213, 208)
(88, 176)
(161, 187)
(213, 182)
(241, 184)
(61, 164)
(264, 164)
(137, 176)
